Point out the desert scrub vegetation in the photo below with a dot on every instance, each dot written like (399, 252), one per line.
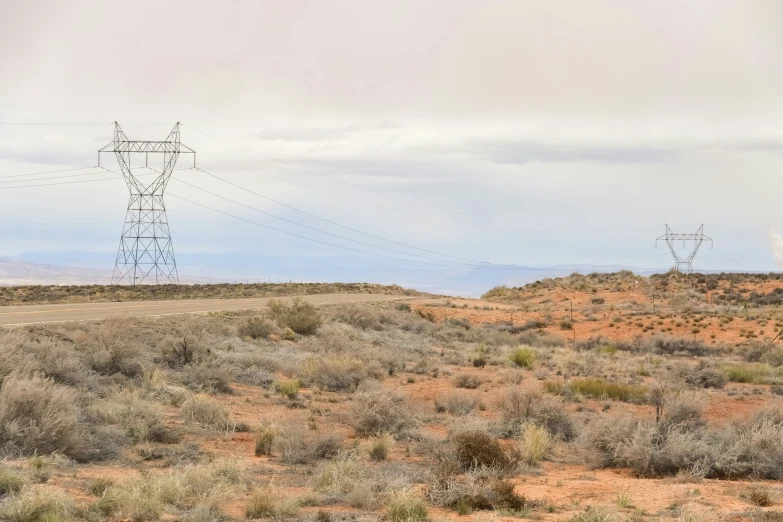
(524, 357)
(51, 294)
(599, 389)
(300, 316)
(375, 411)
(520, 406)
(38, 416)
(394, 414)
(741, 449)
(187, 490)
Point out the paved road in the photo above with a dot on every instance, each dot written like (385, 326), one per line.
(20, 315)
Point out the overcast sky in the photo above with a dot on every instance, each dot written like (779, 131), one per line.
(520, 132)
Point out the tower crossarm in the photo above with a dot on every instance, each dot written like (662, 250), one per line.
(148, 147)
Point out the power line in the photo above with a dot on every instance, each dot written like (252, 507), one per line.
(488, 267)
(67, 124)
(375, 236)
(60, 183)
(51, 124)
(338, 180)
(65, 182)
(730, 259)
(323, 231)
(329, 220)
(53, 177)
(47, 172)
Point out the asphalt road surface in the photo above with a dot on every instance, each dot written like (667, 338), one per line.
(32, 314)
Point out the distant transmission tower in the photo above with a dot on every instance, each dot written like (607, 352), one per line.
(684, 264)
(146, 255)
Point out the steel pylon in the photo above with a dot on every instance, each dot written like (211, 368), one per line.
(146, 253)
(684, 264)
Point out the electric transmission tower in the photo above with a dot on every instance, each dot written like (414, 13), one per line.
(684, 263)
(146, 255)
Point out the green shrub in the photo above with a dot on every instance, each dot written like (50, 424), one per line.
(524, 357)
(599, 388)
(300, 316)
(756, 373)
(290, 387)
(566, 324)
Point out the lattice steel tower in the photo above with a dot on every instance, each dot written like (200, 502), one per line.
(684, 264)
(146, 255)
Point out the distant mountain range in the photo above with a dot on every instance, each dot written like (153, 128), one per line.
(96, 267)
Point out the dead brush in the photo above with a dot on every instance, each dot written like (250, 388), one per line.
(758, 495)
(295, 445)
(456, 402)
(475, 490)
(478, 449)
(466, 380)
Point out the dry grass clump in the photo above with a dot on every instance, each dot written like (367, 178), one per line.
(206, 413)
(337, 373)
(457, 402)
(256, 328)
(467, 381)
(189, 490)
(406, 506)
(295, 445)
(535, 444)
(38, 416)
(379, 448)
(271, 504)
(300, 316)
(758, 495)
(375, 411)
(475, 490)
(37, 504)
(344, 479)
(140, 420)
(11, 480)
(520, 406)
(265, 437)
